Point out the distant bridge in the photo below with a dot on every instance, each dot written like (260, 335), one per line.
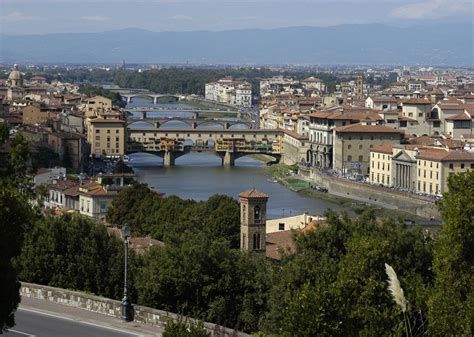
(129, 97)
(195, 112)
(228, 144)
(192, 122)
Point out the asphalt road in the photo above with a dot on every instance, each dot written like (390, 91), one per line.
(33, 323)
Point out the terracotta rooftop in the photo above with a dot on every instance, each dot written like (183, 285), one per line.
(295, 135)
(62, 185)
(366, 128)
(416, 101)
(384, 148)
(459, 117)
(443, 155)
(253, 194)
(279, 243)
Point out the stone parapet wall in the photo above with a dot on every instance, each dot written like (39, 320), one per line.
(106, 306)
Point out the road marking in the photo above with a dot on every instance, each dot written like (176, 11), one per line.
(41, 312)
(21, 333)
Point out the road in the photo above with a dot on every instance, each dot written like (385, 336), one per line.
(34, 323)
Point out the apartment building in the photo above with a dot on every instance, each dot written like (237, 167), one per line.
(229, 91)
(97, 104)
(434, 166)
(380, 165)
(39, 114)
(107, 137)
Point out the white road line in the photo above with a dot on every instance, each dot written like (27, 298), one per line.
(21, 333)
(41, 312)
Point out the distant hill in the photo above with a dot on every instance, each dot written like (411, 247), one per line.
(447, 44)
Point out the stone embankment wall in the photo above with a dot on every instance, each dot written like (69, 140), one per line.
(111, 307)
(376, 195)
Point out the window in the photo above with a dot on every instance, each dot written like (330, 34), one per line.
(256, 241)
(256, 214)
(117, 145)
(281, 226)
(117, 131)
(420, 114)
(97, 137)
(371, 137)
(361, 137)
(451, 166)
(117, 139)
(472, 166)
(462, 165)
(360, 147)
(349, 146)
(108, 130)
(361, 158)
(349, 158)
(97, 131)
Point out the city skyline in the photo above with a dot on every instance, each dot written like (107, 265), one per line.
(54, 16)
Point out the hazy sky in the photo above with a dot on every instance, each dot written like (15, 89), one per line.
(47, 16)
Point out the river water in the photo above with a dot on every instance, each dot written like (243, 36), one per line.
(199, 175)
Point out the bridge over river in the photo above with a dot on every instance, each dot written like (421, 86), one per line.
(228, 144)
(191, 122)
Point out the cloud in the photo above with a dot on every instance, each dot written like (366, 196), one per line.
(95, 18)
(181, 17)
(17, 16)
(431, 9)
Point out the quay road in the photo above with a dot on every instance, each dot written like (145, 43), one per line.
(39, 318)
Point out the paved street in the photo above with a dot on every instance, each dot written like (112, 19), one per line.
(34, 323)
(40, 318)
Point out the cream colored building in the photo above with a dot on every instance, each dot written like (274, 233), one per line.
(291, 222)
(434, 166)
(97, 104)
(107, 137)
(95, 199)
(380, 165)
(229, 91)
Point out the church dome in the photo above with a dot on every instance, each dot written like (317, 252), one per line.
(15, 74)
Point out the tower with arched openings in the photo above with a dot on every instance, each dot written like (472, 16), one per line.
(253, 218)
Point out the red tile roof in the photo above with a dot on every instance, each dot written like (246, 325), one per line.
(253, 194)
(359, 128)
(278, 244)
(416, 101)
(459, 117)
(443, 155)
(385, 148)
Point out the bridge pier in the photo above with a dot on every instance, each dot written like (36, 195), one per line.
(228, 159)
(129, 99)
(168, 159)
(155, 100)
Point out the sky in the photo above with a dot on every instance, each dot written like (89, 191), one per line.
(55, 16)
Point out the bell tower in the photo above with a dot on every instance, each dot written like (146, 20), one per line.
(253, 219)
(359, 87)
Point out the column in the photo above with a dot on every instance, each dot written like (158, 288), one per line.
(229, 159)
(168, 159)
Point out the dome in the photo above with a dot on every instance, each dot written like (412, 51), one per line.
(15, 74)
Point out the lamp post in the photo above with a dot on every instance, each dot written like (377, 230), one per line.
(126, 309)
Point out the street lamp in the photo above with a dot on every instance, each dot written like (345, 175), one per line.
(126, 307)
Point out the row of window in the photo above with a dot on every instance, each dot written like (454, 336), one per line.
(378, 165)
(108, 130)
(361, 158)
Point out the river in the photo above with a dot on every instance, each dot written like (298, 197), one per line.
(199, 175)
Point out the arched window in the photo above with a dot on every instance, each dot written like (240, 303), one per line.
(256, 213)
(256, 241)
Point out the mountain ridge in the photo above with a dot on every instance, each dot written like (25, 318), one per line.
(343, 44)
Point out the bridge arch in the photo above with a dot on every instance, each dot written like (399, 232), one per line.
(171, 120)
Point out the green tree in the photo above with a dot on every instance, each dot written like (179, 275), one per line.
(74, 252)
(16, 215)
(451, 307)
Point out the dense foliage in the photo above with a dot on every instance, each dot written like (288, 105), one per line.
(452, 302)
(166, 218)
(185, 328)
(16, 215)
(73, 252)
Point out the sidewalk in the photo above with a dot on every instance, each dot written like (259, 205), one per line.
(89, 316)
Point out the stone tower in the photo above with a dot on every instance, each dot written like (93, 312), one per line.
(253, 218)
(359, 94)
(15, 79)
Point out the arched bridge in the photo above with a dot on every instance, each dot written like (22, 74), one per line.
(129, 97)
(192, 122)
(227, 144)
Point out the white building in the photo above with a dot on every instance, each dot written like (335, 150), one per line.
(230, 91)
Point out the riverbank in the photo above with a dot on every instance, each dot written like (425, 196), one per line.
(286, 175)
